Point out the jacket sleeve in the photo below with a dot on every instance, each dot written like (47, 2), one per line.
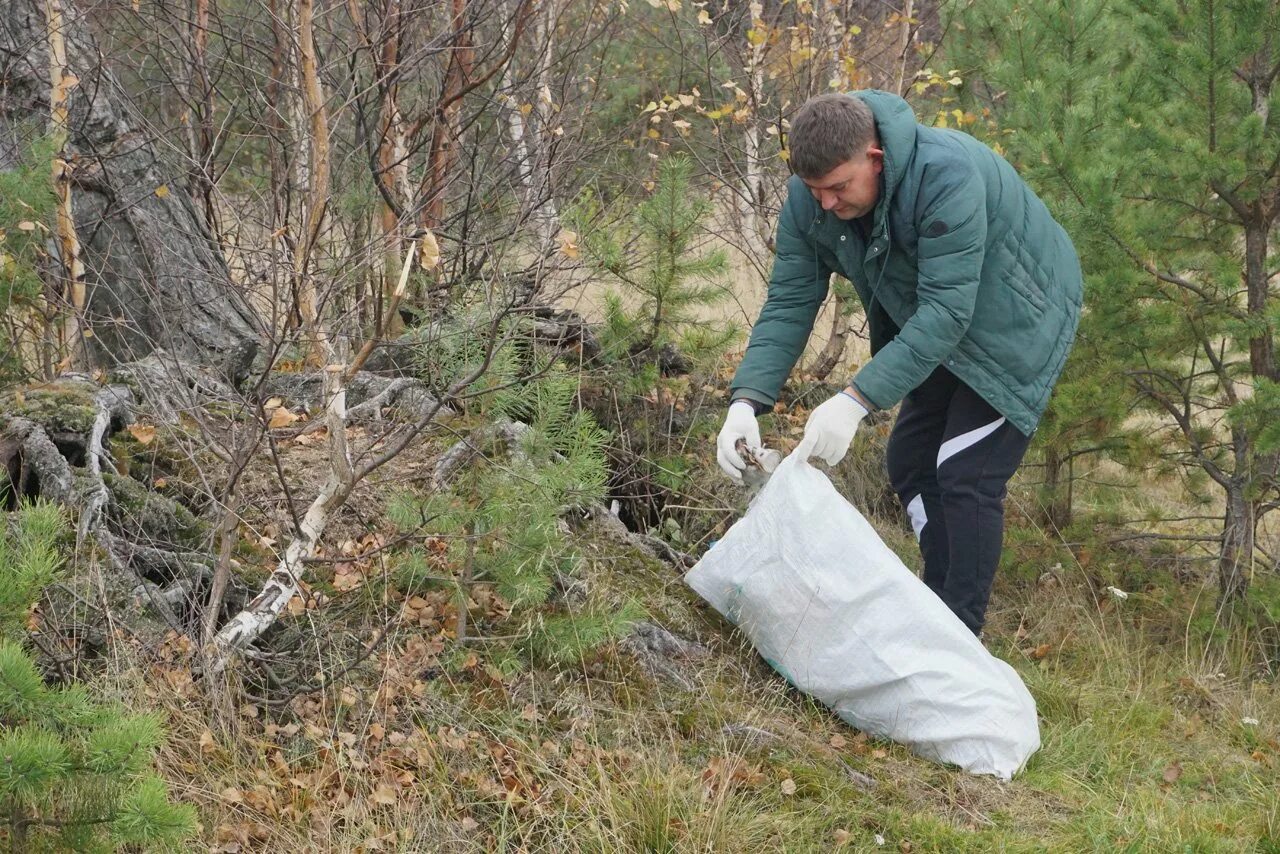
(951, 219)
(797, 287)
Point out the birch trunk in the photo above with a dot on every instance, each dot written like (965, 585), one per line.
(317, 191)
(752, 169)
(73, 350)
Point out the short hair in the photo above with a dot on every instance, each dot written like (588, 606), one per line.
(828, 130)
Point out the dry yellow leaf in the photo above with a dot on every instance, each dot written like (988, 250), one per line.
(144, 433)
(788, 786)
(232, 795)
(281, 417)
(162, 191)
(428, 252)
(569, 243)
(384, 795)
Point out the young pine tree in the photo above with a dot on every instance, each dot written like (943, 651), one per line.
(663, 283)
(1164, 161)
(27, 206)
(502, 516)
(74, 772)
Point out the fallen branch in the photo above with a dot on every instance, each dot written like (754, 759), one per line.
(264, 609)
(366, 394)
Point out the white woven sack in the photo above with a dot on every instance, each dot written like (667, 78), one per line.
(834, 610)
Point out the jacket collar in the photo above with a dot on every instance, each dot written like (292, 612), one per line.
(896, 127)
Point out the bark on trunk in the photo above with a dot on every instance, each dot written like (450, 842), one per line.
(834, 350)
(1057, 489)
(154, 277)
(1235, 563)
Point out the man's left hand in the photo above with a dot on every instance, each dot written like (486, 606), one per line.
(831, 428)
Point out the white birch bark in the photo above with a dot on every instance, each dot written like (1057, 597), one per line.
(752, 167)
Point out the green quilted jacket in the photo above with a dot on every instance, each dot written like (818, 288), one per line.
(963, 267)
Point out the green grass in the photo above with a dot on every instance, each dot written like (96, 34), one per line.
(1144, 749)
(1143, 725)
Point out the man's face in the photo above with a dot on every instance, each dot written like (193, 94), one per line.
(851, 189)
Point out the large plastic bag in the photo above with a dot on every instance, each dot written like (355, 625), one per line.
(836, 612)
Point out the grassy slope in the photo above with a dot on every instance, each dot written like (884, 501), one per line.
(1145, 747)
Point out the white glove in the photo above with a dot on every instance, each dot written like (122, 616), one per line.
(739, 423)
(830, 428)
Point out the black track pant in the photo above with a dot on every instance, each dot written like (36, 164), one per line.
(950, 458)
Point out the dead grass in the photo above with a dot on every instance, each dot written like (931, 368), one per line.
(1144, 748)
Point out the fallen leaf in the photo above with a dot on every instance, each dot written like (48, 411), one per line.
(842, 836)
(232, 795)
(1041, 651)
(788, 786)
(469, 824)
(162, 191)
(1172, 773)
(207, 744)
(26, 225)
(144, 433)
(281, 417)
(837, 741)
(384, 795)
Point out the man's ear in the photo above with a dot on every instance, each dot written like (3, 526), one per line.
(876, 156)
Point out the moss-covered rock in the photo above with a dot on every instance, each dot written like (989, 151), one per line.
(139, 512)
(60, 408)
(170, 462)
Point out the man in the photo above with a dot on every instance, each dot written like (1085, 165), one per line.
(972, 293)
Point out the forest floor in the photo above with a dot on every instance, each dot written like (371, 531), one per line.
(1159, 734)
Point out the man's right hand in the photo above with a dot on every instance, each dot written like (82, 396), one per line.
(739, 423)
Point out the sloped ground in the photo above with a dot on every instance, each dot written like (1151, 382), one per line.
(687, 742)
(1158, 734)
